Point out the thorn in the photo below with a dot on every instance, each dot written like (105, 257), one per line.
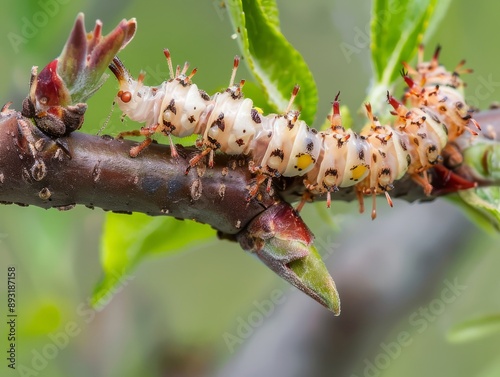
(369, 112)
(401, 110)
(409, 68)
(5, 107)
(336, 119)
(295, 91)
(140, 78)
(191, 75)
(420, 53)
(169, 62)
(435, 57)
(409, 81)
(236, 63)
(185, 68)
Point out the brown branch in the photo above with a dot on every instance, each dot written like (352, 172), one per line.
(98, 172)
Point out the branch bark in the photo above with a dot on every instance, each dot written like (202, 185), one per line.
(94, 171)
(98, 172)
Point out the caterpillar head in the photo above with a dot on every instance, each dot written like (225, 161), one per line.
(128, 97)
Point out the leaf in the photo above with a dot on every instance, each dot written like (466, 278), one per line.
(127, 240)
(483, 203)
(397, 29)
(475, 329)
(483, 206)
(313, 274)
(274, 62)
(483, 156)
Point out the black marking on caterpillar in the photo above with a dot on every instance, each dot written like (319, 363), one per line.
(283, 145)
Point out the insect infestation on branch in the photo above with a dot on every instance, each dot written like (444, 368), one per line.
(284, 145)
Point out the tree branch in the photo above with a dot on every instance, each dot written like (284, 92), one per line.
(98, 172)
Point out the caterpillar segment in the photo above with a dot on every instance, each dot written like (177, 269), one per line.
(440, 91)
(342, 161)
(432, 73)
(284, 145)
(445, 104)
(427, 137)
(229, 125)
(389, 159)
(175, 107)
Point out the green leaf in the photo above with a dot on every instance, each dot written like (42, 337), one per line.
(270, 12)
(484, 158)
(483, 206)
(129, 239)
(483, 203)
(397, 29)
(475, 329)
(312, 273)
(274, 62)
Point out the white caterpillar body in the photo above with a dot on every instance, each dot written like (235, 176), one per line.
(283, 145)
(226, 121)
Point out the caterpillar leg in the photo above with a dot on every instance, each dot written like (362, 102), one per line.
(262, 177)
(196, 159)
(423, 180)
(374, 205)
(452, 155)
(173, 149)
(373, 192)
(144, 131)
(307, 197)
(374, 202)
(254, 188)
(134, 151)
(361, 200)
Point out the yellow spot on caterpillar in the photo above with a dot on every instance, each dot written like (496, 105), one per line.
(304, 161)
(358, 172)
(259, 110)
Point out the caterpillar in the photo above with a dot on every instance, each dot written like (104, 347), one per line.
(432, 113)
(280, 144)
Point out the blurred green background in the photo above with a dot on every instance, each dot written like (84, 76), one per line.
(170, 318)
